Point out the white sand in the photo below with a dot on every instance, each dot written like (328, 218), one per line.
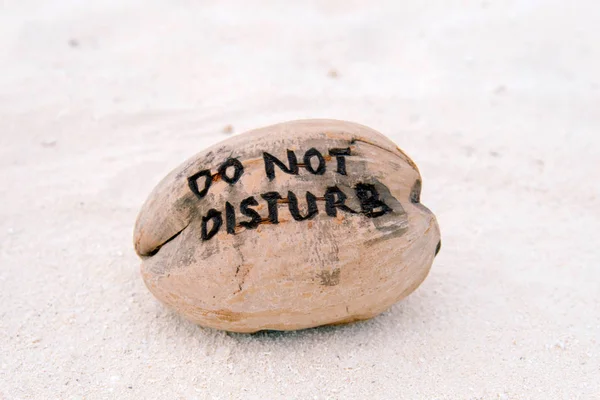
(498, 102)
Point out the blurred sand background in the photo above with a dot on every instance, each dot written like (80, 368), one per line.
(498, 102)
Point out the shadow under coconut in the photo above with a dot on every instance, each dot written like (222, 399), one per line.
(399, 317)
(323, 329)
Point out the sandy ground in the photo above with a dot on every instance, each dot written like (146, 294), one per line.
(497, 101)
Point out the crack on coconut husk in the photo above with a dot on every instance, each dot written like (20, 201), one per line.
(157, 248)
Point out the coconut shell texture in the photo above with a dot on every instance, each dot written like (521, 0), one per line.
(290, 226)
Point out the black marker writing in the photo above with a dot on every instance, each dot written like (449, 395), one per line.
(217, 220)
(249, 212)
(271, 161)
(339, 157)
(311, 201)
(271, 199)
